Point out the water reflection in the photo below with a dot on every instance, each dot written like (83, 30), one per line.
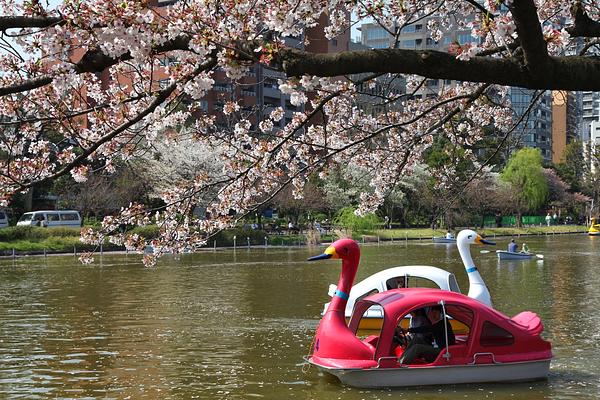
(235, 325)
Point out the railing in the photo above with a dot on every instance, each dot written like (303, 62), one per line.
(482, 355)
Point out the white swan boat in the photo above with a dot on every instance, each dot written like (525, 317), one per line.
(416, 276)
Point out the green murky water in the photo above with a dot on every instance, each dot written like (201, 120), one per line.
(235, 325)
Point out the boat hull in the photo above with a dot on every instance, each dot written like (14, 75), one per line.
(592, 233)
(508, 255)
(440, 375)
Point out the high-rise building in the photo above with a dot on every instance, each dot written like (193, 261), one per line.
(565, 124)
(536, 128)
(591, 112)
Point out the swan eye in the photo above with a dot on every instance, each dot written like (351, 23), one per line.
(470, 237)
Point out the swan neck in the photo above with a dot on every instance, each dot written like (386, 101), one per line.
(340, 298)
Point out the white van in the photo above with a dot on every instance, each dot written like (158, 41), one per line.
(50, 218)
(3, 219)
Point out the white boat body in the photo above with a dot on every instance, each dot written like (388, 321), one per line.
(509, 255)
(378, 281)
(440, 375)
(441, 239)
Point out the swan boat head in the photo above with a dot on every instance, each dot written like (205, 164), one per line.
(477, 288)
(333, 339)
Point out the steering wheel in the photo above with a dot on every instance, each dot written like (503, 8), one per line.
(400, 337)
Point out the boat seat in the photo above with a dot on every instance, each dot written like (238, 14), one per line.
(530, 321)
(371, 342)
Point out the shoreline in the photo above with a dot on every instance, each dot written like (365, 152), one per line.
(363, 240)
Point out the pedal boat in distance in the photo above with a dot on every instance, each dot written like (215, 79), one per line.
(511, 255)
(495, 348)
(594, 228)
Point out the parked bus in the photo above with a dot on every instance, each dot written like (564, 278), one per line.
(51, 218)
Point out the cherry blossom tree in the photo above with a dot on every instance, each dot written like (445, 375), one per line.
(80, 90)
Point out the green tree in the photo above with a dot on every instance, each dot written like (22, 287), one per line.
(526, 178)
(571, 168)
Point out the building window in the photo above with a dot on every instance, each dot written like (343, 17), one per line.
(222, 87)
(466, 38)
(380, 45)
(272, 101)
(377, 33)
(408, 44)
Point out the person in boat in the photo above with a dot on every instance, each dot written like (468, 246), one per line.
(396, 283)
(512, 246)
(440, 328)
(418, 318)
(449, 235)
(524, 248)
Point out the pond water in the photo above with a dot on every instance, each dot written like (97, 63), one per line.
(235, 324)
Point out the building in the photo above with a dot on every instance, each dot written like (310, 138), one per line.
(565, 122)
(591, 112)
(536, 128)
(258, 92)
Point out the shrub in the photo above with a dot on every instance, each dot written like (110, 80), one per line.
(350, 221)
(147, 232)
(225, 238)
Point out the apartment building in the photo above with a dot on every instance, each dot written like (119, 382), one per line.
(535, 130)
(258, 92)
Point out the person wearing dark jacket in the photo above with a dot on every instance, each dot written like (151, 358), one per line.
(440, 328)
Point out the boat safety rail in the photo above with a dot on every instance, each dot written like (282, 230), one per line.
(482, 355)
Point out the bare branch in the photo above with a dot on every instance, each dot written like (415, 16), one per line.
(584, 26)
(21, 21)
(530, 34)
(568, 73)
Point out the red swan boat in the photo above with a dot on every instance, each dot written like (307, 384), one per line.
(495, 348)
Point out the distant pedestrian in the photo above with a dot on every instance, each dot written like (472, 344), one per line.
(548, 219)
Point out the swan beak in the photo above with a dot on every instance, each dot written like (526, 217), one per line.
(328, 253)
(481, 240)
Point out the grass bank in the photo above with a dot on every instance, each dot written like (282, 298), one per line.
(424, 233)
(35, 240)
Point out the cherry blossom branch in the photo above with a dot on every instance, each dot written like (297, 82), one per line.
(93, 61)
(160, 97)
